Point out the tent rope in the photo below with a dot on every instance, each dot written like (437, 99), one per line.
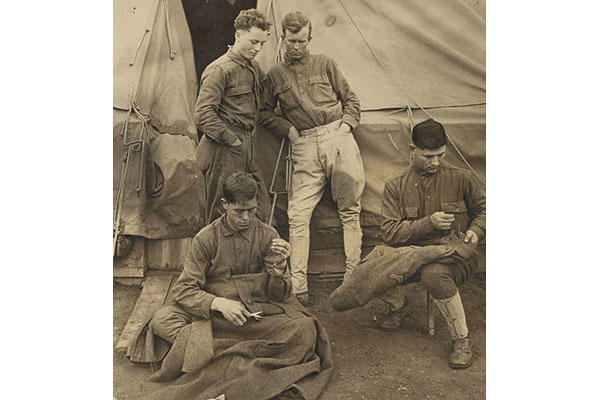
(137, 50)
(405, 92)
(288, 159)
(168, 25)
(133, 145)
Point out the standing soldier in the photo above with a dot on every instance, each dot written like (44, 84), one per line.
(227, 110)
(323, 111)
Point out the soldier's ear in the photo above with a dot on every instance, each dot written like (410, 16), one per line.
(224, 203)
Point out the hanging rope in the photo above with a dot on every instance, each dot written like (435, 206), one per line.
(168, 25)
(405, 92)
(134, 145)
(288, 159)
(139, 47)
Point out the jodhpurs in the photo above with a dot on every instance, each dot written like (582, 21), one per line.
(319, 155)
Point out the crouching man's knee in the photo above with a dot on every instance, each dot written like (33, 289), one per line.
(439, 280)
(168, 320)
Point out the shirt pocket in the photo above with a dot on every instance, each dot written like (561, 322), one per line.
(283, 93)
(321, 90)
(241, 96)
(411, 213)
(461, 219)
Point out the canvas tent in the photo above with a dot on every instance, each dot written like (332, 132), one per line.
(405, 59)
(398, 57)
(157, 191)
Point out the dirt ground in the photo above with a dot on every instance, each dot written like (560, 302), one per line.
(369, 363)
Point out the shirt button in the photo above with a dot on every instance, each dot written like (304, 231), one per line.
(299, 75)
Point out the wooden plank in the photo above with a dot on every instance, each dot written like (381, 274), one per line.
(128, 272)
(153, 296)
(133, 264)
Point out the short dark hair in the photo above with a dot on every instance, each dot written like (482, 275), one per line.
(249, 18)
(429, 135)
(240, 186)
(294, 22)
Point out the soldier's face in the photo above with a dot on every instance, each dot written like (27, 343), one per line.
(428, 160)
(250, 43)
(240, 214)
(296, 44)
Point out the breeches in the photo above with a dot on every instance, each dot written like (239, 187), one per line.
(325, 154)
(440, 279)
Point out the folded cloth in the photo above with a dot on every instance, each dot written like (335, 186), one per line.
(386, 267)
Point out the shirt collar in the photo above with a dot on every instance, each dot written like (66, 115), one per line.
(228, 231)
(303, 60)
(423, 173)
(237, 58)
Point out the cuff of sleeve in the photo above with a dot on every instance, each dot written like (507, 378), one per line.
(228, 137)
(206, 304)
(478, 231)
(350, 120)
(423, 226)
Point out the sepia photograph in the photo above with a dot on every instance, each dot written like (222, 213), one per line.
(299, 199)
(299, 194)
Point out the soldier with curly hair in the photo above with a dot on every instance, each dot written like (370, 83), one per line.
(227, 112)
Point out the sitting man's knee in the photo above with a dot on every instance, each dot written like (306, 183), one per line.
(439, 280)
(167, 321)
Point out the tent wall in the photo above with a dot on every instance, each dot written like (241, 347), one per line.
(157, 189)
(395, 55)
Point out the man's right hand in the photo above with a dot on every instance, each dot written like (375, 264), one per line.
(293, 134)
(232, 310)
(236, 143)
(441, 220)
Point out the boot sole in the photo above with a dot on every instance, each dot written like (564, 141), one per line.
(460, 366)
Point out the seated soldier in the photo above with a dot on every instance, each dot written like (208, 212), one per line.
(263, 341)
(428, 201)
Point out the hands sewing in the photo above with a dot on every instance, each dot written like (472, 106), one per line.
(280, 251)
(471, 237)
(232, 310)
(441, 220)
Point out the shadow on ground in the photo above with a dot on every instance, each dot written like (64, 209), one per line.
(369, 363)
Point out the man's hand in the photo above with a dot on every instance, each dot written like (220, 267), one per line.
(281, 250)
(236, 143)
(293, 133)
(232, 310)
(471, 237)
(441, 220)
(344, 127)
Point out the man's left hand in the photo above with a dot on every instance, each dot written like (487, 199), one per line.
(471, 237)
(344, 127)
(281, 250)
